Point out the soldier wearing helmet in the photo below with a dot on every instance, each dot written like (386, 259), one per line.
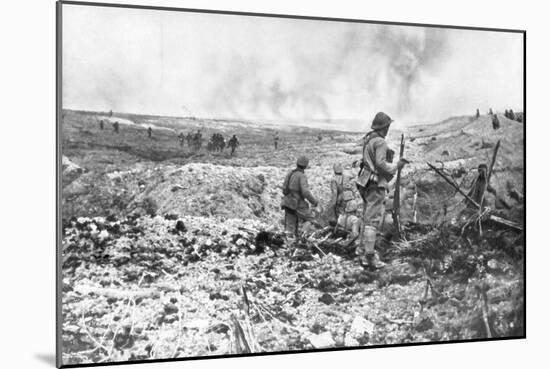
(372, 183)
(345, 204)
(296, 197)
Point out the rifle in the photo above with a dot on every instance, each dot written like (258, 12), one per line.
(397, 196)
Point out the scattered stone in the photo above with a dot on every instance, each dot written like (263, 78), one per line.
(218, 296)
(327, 299)
(424, 324)
(350, 341)
(180, 226)
(171, 216)
(360, 326)
(321, 340)
(170, 309)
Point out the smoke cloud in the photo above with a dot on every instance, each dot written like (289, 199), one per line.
(258, 68)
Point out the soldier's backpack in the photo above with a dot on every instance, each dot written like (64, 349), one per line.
(367, 173)
(289, 201)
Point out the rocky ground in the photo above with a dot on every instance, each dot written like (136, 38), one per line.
(168, 252)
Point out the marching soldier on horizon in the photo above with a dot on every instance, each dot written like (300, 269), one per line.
(372, 184)
(233, 143)
(181, 139)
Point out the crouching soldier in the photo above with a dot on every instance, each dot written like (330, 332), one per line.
(296, 192)
(372, 183)
(345, 206)
(341, 190)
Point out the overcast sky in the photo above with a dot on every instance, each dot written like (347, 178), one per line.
(260, 68)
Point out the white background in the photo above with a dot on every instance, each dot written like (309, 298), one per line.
(27, 200)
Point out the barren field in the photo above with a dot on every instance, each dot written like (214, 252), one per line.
(170, 252)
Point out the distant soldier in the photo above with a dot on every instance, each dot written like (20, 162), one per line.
(189, 139)
(477, 113)
(296, 192)
(372, 184)
(276, 141)
(233, 143)
(197, 140)
(496, 122)
(110, 113)
(150, 132)
(116, 126)
(506, 113)
(512, 115)
(181, 139)
(490, 111)
(101, 124)
(319, 137)
(210, 145)
(221, 144)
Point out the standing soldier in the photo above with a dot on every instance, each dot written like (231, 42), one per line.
(115, 127)
(181, 139)
(477, 113)
(496, 122)
(189, 139)
(276, 141)
(101, 124)
(197, 140)
(372, 183)
(150, 132)
(296, 192)
(490, 111)
(233, 143)
(222, 142)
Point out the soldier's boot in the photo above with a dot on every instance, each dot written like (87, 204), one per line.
(370, 259)
(374, 262)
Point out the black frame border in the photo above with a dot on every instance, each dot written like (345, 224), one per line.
(58, 130)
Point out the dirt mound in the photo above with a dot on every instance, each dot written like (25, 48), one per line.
(228, 192)
(70, 171)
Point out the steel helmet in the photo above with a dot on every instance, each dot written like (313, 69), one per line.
(381, 120)
(302, 161)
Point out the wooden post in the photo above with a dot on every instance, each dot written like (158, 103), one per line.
(397, 194)
(487, 184)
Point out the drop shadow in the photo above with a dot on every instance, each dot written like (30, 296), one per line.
(46, 358)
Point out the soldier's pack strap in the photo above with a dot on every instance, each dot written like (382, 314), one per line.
(286, 188)
(369, 162)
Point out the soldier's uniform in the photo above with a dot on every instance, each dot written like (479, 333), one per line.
(340, 192)
(296, 197)
(350, 219)
(496, 122)
(372, 184)
(233, 143)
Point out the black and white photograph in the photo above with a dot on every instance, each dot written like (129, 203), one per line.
(233, 184)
